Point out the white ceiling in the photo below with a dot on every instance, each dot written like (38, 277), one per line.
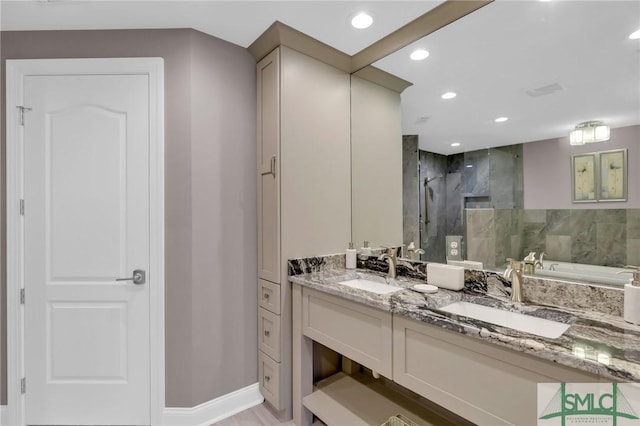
(494, 55)
(490, 57)
(239, 22)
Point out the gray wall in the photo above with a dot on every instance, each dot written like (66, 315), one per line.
(547, 171)
(210, 196)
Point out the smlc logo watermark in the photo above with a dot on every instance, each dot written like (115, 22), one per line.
(616, 404)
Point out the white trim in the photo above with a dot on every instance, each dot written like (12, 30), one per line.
(3, 413)
(215, 410)
(16, 70)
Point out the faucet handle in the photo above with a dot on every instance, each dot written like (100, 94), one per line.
(514, 263)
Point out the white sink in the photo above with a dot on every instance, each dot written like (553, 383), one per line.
(372, 286)
(526, 323)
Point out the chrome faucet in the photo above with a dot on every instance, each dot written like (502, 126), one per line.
(391, 257)
(514, 274)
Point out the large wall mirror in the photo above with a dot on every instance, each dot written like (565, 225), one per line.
(505, 185)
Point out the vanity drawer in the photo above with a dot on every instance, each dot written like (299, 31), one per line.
(269, 333)
(269, 376)
(269, 296)
(361, 333)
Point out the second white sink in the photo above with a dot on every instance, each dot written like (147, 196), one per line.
(372, 286)
(526, 323)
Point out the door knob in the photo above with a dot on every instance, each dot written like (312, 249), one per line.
(138, 277)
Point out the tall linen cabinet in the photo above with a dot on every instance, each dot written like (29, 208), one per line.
(304, 193)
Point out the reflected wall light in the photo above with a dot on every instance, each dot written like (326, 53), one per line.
(589, 132)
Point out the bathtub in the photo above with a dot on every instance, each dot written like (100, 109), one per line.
(582, 272)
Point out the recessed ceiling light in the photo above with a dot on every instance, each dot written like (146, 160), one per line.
(449, 95)
(361, 21)
(635, 35)
(501, 119)
(455, 144)
(419, 54)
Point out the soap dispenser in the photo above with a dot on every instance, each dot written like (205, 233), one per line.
(632, 296)
(366, 250)
(351, 257)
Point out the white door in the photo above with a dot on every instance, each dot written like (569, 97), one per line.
(86, 224)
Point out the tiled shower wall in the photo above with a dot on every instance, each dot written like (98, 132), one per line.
(608, 237)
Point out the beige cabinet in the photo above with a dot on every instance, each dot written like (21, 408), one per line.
(360, 332)
(303, 172)
(268, 114)
(480, 381)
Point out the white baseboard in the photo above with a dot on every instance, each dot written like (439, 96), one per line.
(215, 410)
(3, 413)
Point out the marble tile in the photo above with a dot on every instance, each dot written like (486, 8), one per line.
(433, 167)
(315, 264)
(476, 179)
(611, 241)
(482, 250)
(633, 223)
(505, 176)
(454, 204)
(410, 190)
(455, 163)
(558, 247)
(534, 216)
(533, 238)
(583, 237)
(611, 216)
(516, 247)
(558, 222)
(606, 300)
(633, 252)
(480, 223)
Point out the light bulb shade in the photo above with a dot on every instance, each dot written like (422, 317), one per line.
(589, 132)
(575, 137)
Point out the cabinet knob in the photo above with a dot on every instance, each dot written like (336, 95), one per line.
(267, 333)
(267, 378)
(266, 296)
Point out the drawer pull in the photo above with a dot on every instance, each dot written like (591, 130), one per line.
(267, 333)
(267, 378)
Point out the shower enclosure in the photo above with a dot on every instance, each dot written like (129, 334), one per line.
(438, 188)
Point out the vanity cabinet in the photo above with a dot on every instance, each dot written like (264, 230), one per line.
(359, 332)
(480, 381)
(303, 203)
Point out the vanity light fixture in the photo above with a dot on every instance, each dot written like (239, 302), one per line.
(449, 95)
(635, 35)
(361, 21)
(455, 144)
(419, 54)
(589, 132)
(501, 119)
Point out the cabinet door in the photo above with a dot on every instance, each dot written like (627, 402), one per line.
(269, 167)
(480, 381)
(359, 332)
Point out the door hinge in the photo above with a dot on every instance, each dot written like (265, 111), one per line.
(21, 207)
(22, 111)
(23, 385)
(22, 296)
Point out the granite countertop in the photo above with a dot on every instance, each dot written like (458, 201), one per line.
(598, 343)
